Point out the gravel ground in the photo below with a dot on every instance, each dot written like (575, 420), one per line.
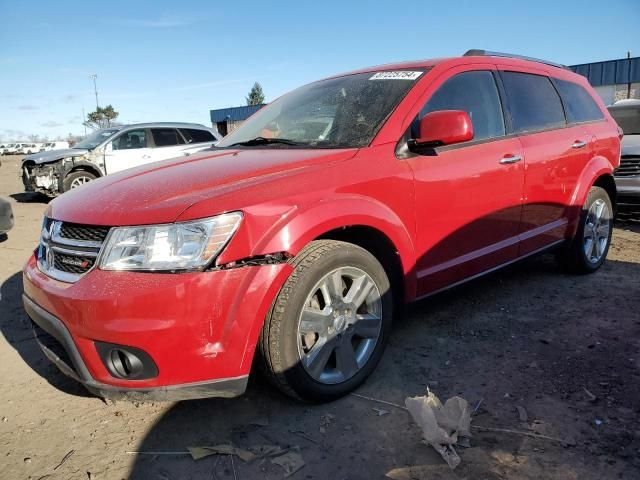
(564, 348)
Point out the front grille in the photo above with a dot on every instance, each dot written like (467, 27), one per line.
(69, 250)
(629, 166)
(88, 233)
(72, 263)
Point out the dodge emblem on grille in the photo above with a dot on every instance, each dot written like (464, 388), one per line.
(76, 262)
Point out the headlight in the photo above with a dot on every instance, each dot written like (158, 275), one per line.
(173, 246)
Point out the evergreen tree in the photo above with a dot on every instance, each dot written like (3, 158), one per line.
(256, 95)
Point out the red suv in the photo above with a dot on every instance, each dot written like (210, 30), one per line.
(299, 236)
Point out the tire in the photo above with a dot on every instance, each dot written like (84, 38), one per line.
(340, 332)
(76, 179)
(587, 252)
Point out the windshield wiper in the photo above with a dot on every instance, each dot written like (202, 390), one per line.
(265, 141)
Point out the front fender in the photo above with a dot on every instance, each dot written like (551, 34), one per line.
(292, 227)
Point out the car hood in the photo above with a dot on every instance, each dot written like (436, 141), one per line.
(53, 155)
(159, 192)
(631, 145)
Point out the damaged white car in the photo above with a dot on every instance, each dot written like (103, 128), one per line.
(112, 150)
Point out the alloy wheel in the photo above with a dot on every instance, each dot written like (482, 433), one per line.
(79, 181)
(339, 325)
(597, 229)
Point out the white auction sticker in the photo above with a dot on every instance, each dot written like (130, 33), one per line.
(397, 75)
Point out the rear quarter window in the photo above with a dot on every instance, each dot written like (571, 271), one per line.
(578, 104)
(533, 101)
(166, 137)
(193, 135)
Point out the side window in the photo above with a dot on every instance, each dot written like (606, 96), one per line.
(475, 93)
(578, 104)
(193, 135)
(130, 140)
(533, 101)
(166, 137)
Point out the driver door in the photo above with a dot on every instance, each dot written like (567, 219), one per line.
(468, 195)
(127, 150)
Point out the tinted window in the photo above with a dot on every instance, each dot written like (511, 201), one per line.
(627, 118)
(165, 137)
(534, 102)
(475, 93)
(578, 104)
(130, 140)
(193, 135)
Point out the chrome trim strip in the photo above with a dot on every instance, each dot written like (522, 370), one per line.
(76, 253)
(56, 238)
(467, 257)
(492, 269)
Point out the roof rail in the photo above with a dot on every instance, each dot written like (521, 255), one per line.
(487, 53)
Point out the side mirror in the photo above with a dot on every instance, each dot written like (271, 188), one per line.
(444, 127)
(108, 148)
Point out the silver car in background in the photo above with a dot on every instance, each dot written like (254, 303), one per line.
(111, 150)
(627, 114)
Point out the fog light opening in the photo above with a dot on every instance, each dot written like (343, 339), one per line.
(125, 363)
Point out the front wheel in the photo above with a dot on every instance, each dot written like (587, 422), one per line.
(588, 249)
(328, 326)
(77, 179)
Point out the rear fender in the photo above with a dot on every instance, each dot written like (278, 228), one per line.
(594, 169)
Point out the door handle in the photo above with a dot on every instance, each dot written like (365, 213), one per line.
(579, 144)
(508, 159)
(146, 156)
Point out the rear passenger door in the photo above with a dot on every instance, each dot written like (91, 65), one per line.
(468, 196)
(555, 154)
(168, 143)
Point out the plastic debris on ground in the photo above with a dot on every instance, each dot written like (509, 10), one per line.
(246, 455)
(441, 425)
(291, 462)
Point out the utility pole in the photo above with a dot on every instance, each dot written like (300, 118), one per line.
(95, 89)
(84, 122)
(629, 84)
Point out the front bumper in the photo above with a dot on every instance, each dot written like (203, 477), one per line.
(200, 329)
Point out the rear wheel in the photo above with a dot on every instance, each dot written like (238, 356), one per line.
(77, 179)
(328, 326)
(588, 249)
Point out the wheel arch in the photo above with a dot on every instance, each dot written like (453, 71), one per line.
(356, 219)
(380, 246)
(597, 172)
(86, 167)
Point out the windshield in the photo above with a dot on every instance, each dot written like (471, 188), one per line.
(338, 112)
(628, 118)
(96, 138)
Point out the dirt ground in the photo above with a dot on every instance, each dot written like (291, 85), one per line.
(565, 348)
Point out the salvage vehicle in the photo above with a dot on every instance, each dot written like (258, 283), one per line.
(299, 241)
(112, 150)
(627, 175)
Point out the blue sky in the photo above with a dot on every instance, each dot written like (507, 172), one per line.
(174, 61)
